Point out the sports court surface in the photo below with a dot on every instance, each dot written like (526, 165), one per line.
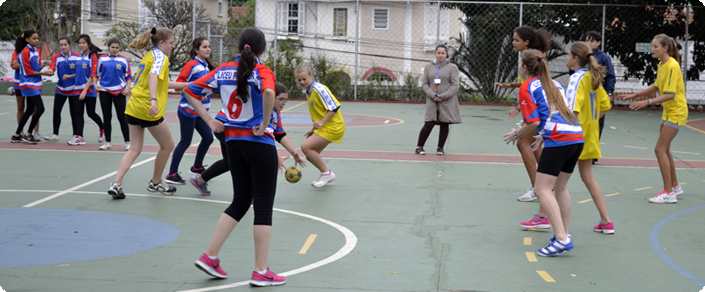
(392, 221)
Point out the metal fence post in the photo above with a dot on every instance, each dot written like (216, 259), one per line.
(438, 23)
(195, 4)
(685, 55)
(357, 46)
(276, 35)
(602, 43)
(521, 22)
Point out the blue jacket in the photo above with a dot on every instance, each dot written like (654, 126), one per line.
(605, 60)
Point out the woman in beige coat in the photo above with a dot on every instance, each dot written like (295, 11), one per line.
(440, 83)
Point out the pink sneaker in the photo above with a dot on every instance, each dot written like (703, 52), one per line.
(211, 267)
(537, 222)
(604, 228)
(268, 279)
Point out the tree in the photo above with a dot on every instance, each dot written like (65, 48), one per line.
(50, 19)
(240, 21)
(176, 15)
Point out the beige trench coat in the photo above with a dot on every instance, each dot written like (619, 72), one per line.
(448, 110)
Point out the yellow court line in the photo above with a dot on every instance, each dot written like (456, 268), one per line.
(294, 106)
(531, 257)
(641, 189)
(608, 195)
(527, 240)
(546, 277)
(584, 201)
(694, 128)
(683, 183)
(308, 243)
(531, 229)
(612, 194)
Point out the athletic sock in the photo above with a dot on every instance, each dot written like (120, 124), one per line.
(326, 172)
(213, 258)
(262, 272)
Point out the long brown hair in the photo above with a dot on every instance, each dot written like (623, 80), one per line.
(669, 42)
(195, 45)
(536, 64)
(539, 39)
(584, 53)
(154, 35)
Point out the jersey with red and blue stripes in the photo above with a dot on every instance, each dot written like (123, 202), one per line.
(276, 123)
(85, 68)
(63, 65)
(113, 71)
(555, 129)
(16, 81)
(239, 117)
(193, 70)
(30, 63)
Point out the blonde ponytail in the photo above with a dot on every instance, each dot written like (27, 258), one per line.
(536, 64)
(669, 42)
(153, 35)
(585, 57)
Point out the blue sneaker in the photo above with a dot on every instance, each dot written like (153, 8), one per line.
(552, 239)
(556, 247)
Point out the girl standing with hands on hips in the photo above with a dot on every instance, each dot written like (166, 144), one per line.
(64, 64)
(146, 109)
(247, 92)
(669, 84)
(328, 123)
(115, 78)
(87, 98)
(544, 109)
(440, 83)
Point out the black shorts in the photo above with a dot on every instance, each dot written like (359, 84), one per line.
(555, 160)
(18, 92)
(142, 123)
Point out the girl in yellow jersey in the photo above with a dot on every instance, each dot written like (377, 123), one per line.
(328, 124)
(589, 100)
(146, 109)
(671, 89)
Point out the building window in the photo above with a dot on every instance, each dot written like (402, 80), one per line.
(291, 18)
(101, 10)
(340, 21)
(220, 8)
(380, 18)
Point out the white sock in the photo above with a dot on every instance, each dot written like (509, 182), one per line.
(262, 272)
(326, 173)
(213, 258)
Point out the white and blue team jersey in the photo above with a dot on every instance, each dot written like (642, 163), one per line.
(113, 71)
(64, 65)
(193, 70)
(554, 128)
(16, 81)
(239, 117)
(30, 63)
(85, 68)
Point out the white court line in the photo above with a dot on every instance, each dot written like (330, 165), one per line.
(61, 193)
(3, 114)
(386, 122)
(691, 153)
(350, 238)
(634, 147)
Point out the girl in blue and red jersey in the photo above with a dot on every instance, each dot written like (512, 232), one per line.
(544, 108)
(189, 120)
(64, 65)
(87, 96)
(247, 92)
(15, 64)
(115, 77)
(29, 60)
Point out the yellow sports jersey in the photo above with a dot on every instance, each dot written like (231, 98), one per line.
(589, 104)
(320, 102)
(669, 79)
(154, 62)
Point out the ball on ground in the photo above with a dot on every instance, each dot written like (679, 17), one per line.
(293, 174)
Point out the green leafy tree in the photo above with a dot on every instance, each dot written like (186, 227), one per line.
(288, 57)
(238, 22)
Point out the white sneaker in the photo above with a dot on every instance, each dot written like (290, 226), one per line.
(161, 187)
(52, 138)
(323, 180)
(106, 146)
(677, 190)
(101, 138)
(127, 145)
(77, 140)
(37, 137)
(664, 198)
(529, 196)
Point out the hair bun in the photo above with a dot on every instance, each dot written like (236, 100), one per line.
(154, 30)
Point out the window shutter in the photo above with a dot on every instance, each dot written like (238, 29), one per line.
(283, 19)
(302, 18)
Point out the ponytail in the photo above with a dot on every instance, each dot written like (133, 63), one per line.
(250, 44)
(153, 35)
(585, 57)
(21, 41)
(536, 64)
(669, 42)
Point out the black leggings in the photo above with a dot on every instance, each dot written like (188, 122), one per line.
(59, 101)
(89, 104)
(34, 108)
(220, 166)
(253, 167)
(106, 105)
(426, 131)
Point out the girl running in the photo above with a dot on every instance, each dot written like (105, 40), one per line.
(199, 66)
(64, 64)
(219, 167)
(328, 123)
(526, 38)
(671, 89)
(544, 108)
(115, 78)
(87, 97)
(30, 83)
(146, 109)
(247, 91)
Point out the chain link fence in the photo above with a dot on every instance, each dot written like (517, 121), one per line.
(377, 50)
